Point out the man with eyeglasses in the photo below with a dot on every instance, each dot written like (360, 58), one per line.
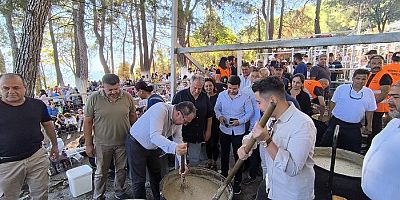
(149, 137)
(349, 105)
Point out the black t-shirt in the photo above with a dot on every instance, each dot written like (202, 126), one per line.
(20, 134)
(194, 131)
(335, 65)
(318, 91)
(385, 80)
(304, 100)
(234, 70)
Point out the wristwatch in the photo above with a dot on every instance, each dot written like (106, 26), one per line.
(266, 142)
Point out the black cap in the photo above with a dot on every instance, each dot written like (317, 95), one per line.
(396, 57)
(141, 85)
(277, 65)
(371, 52)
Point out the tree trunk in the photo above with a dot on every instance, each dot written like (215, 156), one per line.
(2, 64)
(8, 13)
(145, 69)
(281, 19)
(190, 19)
(317, 27)
(43, 76)
(182, 22)
(264, 8)
(189, 23)
(153, 39)
(141, 61)
(38, 85)
(359, 19)
(81, 57)
(271, 20)
(124, 40)
(111, 38)
(100, 36)
(60, 80)
(28, 57)
(133, 40)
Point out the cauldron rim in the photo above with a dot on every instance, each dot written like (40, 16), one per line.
(201, 172)
(354, 155)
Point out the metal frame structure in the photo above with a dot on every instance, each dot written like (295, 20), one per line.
(298, 43)
(270, 44)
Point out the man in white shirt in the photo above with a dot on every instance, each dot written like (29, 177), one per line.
(148, 136)
(380, 173)
(289, 146)
(349, 104)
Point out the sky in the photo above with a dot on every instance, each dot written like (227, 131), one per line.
(228, 15)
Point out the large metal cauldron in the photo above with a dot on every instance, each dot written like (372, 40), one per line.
(347, 177)
(200, 184)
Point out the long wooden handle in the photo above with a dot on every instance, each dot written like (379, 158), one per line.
(183, 163)
(250, 143)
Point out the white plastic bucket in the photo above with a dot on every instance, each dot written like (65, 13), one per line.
(80, 180)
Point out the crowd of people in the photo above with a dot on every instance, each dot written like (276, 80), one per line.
(213, 113)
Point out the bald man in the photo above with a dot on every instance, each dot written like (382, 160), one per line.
(22, 157)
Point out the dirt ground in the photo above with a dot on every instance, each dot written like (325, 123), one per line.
(59, 188)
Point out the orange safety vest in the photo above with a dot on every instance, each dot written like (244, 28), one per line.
(383, 106)
(310, 86)
(225, 72)
(394, 71)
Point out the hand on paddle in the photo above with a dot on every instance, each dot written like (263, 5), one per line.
(185, 172)
(181, 149)
(260, 133)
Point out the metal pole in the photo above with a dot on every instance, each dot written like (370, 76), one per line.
(239, 62)
(173, 45)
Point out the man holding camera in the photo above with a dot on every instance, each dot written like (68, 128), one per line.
(233, 109)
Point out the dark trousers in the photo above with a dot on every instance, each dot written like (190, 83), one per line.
(138, 159)
(349, 135)
(212, 147)
(226, 141)
(376, 127)
(254, 163)
(262, 191)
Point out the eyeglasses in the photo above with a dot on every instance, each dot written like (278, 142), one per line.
(185, 122)
(356, 98)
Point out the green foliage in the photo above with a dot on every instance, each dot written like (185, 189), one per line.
(123, 71)
(212, 32)
(162, 62)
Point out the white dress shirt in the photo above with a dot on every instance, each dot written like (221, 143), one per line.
(350, 106)
(291, 175)
(381, 168)
(154, 127)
